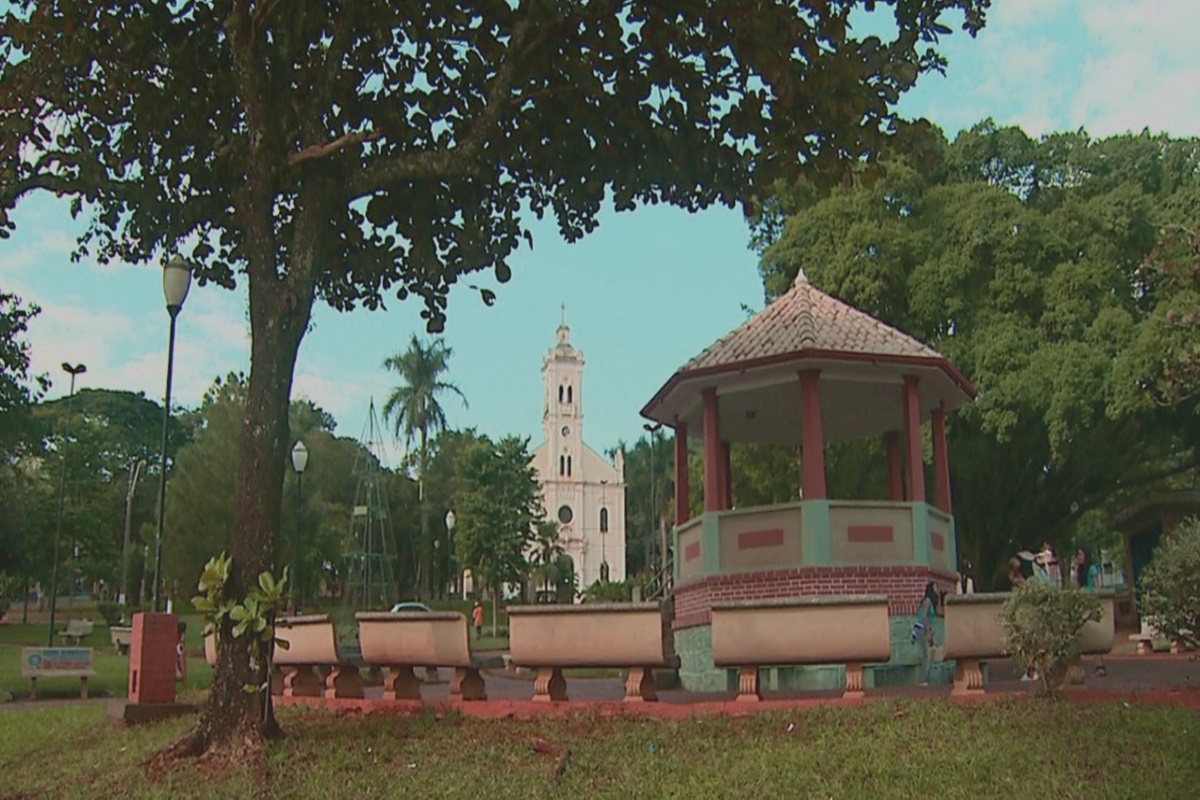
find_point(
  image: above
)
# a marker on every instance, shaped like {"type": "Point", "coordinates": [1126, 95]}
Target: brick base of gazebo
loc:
{"type": "Point", "coordinates": [903, 585]}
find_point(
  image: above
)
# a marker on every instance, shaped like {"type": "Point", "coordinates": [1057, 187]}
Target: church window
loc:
{"type": "Point", "coordinates": [560, 394]}
{"type": "Point", "coordinates": [604, 520]}
{"type": "Point", "coordinates": [565, 515]}
{"type": "Point", "coordinates": [568, 395]}
{"type": "Point", "coordinates": [562, 465]}
{"type": "Point", "coordinates": [568, 466]}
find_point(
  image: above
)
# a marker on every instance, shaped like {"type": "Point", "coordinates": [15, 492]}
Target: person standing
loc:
{"type": "Point", "coordinates": [477, 619]}
{"type": "Point", "coordinates": [927, 610]}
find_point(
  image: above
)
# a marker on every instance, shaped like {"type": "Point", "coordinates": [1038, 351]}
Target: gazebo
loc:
{"type": "Point", "coordinates": [806, 371]}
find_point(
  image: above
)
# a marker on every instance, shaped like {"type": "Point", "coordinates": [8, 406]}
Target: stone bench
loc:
{"type": "Point", "coordinates": [403, 640]}
{"type": "Point", "coordinates": [551, 638]}
{"type": "Point", "coordinates": [312, 643]}
{"type": "Point", "coordinates": [821, 629]}
{"type": "Point", "coordinates": [974, 634]}
{"type": "Point", "coordinates": [57, 662]}
{"type": "Point", "coordinates": [77, 630]}
{"type": "Point", "coordinates": [122, 638]}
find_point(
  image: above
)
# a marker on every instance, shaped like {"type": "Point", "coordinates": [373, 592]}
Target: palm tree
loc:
{"type": "Point", "coordinates": [414, 411]}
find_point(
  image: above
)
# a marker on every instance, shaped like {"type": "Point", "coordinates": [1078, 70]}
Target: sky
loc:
{"type": "Point", "coordinates": [644, 293]}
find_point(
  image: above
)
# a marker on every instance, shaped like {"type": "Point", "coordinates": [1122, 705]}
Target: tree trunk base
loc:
{"type": "Point", "coordinates": [218, 746]}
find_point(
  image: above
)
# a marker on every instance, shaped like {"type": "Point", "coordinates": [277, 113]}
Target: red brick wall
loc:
{"type": "Point", "coordinates": [904, 587]}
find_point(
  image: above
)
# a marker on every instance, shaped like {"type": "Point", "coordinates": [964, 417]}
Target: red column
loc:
{"type": "Point", "coordinates": [812, 436]}
{"type": "Point", "coordinates": [712, 451]}
{"type": "Point", "coordinates": [895, 466]}
{"type": "Point", "coordinates": [682, 498]}
{"type": "Point", "coordinates": [941, 459]}
{"type": "Point", "coordinates": [912, 430]}
{"type": "Point", "coordinates": [726, 478]}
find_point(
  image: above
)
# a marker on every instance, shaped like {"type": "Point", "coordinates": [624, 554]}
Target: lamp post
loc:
{"type": "Point", "coordinates": [77, 369]}
{"type": "Point", "coordinates": [177, 278]}
{"type": "Point", "coordinates": [653, 430]}
{"type": "Point", "coordinates": [604, 531]}
{"type": "Point", "coordinates": [450, 520]}
{"type": "Point", "coordinates": [299, 462]}
{"type": "Point", "coordinates": [138, 466]}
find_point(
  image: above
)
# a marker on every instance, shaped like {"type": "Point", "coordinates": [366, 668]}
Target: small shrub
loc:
{"type": "Point", "coordinates": [111, 613]}
{"type": "Point", "coordinates": [1171, 584]}
{"type": "Point", "coordinates": [609, 592]}
{"type": "Point", "coordinates": [1041, 628]}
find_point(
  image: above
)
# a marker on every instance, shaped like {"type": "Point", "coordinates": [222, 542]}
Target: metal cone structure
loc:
{"type": "Point", "coordinates": [369, 569]}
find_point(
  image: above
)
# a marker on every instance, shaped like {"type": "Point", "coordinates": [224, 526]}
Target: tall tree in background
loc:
{"type": "Point", "coordinates": [498, 503]}
{"type": "Point", "coordinates": [1028, 264]}
{"type": "Point", "coordinates": [415, 412]}
{"type": "Point", "coordinates": [356, 151]}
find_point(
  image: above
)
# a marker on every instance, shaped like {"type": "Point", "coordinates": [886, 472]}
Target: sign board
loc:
{"type": "Point", "coordinates": [49, 662]}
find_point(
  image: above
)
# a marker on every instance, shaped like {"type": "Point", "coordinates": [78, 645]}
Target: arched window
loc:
{"type": "Point", "coordinates": [560, 394]}
{"type": "Point", "coordinates": [562, 465]}
{"type": "Point", "coordinates": [568, 395]}
{"type": "Point", "coordinates": [568, 466]}
{"type": "Point", "coordinates": [604, 520]}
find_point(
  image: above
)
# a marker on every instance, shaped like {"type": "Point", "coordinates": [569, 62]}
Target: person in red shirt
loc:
{"type": "Point", "coordinates": [477, 618]}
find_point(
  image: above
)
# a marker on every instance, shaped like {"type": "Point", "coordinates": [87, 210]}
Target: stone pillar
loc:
{"type": "Point", "coordinates": [941, 460]}
{"type": "Point", "coordinates": [682, 496]}
{"type": "Point", "coordinates": [726, 478]}
{"type": "Point", "coordinates": [912, 431]}
{"type": "Point", "coordinates": [812, 436]}
{"type": "Point", "coordinates": [895, 466]}
{"type": "Point", "coordinates": [713, 490]}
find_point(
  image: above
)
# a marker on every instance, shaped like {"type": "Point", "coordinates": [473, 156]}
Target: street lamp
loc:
{"type": "Point", "coordinates": [77, 369]}
{"type": "Point", "coordinates": [604, 531]}
{"type": "Point", "coordinates": [138, 466]}
{"type": "Point", "coordinates": [299, 462]}
{"type": "Point", "coordinates": [450, 520]}
{"type": "Point", "coordinates": [653, 430]}
{"type": "Point", "coordinates": [177, 278]}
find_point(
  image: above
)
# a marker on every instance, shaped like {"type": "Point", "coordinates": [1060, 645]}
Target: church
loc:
{"type": "Point", "coordinates": [581, 490]}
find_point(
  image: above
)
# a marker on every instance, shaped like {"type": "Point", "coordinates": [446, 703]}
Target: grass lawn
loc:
{"type": "Point", "coordinates": [1016, 747]}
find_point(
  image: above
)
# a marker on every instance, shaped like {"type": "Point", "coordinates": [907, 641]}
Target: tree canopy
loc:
{"type": "Point", "coordinates": [1027, 263]}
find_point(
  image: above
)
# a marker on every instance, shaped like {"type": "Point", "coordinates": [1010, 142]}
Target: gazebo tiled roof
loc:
{"type": "Point", "coordinates": [807, 319]}
{"type": "Point", "coordinates": [806, 329]}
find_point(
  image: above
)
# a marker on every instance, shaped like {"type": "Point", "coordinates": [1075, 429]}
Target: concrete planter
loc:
{"type": "Point", "coordinates": [405, 640]}
{"type": "Point", "coordinates": [823, 629]}
{"type": "Point", "coordinates": [973, 633]}
{"type": "Point", "coordinates": [629, 636]}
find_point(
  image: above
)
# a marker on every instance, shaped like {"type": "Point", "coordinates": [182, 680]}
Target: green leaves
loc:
{"type": "Point", "coordinates": [1041, 625]}
{"type": "Point", "coordinates": [1171, 584]}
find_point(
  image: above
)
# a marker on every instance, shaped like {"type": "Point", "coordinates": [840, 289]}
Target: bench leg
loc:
{"type": "Point", "coordinates": [431, 675]}
{"type": "Point", "coordinates": [854, 681]}
{"type": "Point", "coordinates": [968, 677]}
{"type": "Point", "coordinates": [468, 684]}
{"type": "Point", "coordinates": [301, 681]}
{"type": "Point", "coordinates": [639, 685]}
{"type": "Point", "coordinates": [748, 685]}
{"type": "Point", "coordinates": [1076, 675]}
{"type": "Point", "coordinates": [550, 685]}
{"type": "Point", "coordinates": [1178, 647]}
{"type": "Point", "coordinates": [401, 684]}
{"type": "Point", "coordinates": [343, 681]}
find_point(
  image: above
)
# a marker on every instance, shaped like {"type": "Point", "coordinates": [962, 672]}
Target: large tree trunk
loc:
{"type": "Point", "coordinates": [234, 719]}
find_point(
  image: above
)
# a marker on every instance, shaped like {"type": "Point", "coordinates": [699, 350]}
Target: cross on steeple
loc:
{"type": "Point", "coordinates": [563, 307]}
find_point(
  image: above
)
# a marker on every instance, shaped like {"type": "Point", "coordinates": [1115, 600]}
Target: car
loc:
{"type": "Point", "coordinates": [411, 608]}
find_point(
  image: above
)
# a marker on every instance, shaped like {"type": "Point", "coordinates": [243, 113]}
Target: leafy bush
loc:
{"type": "Point", "coordinates": [609, 592]}
{"type": "Point", "coordinates": [111, 613]}
{"type": "Point", "coordinates": [1041, 628]}
{"type": "Point", "coordinates": [1171, 584]}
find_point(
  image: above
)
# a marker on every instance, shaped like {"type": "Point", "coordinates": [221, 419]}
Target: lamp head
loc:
{"type": "Point", "coordinates": [450, 520]}
{"type": "Point", "coordinates": [299, 456]}
{"type": "Point", "coordinates": [177, 279]}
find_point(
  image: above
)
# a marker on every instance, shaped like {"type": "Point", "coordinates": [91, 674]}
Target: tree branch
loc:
{"type": "Point", "coordinates": [316, 151]}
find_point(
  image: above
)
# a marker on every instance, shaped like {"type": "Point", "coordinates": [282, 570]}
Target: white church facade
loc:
{"type": "Point", "coordinates": [581, 490]}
